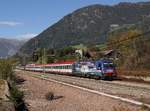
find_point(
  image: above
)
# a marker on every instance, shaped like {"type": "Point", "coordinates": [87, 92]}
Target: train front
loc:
{"type": "Point", "coordinates": [107, 69]}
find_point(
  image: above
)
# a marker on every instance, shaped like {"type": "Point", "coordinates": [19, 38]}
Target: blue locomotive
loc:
{"type": "Point", "coordinates": [104, 69]}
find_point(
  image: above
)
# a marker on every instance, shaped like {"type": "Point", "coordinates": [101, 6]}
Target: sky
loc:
{"type": "Point", "coordinates": [27, 18]}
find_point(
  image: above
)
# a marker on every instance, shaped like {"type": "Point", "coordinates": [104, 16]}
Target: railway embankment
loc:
{"type": "Point", "coordinates": [5, 103]}
{"type": "Point", "coordinates": [11, 98]}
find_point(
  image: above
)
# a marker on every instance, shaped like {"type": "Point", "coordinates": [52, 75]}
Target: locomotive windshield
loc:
{"type": "Point", "coordinates": [90, 67]}
{"type": "Point", "coordinates": [108, 65]}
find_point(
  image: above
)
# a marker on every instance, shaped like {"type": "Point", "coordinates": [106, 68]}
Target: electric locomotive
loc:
{"type": "Point", "coordinates": [104, 69]}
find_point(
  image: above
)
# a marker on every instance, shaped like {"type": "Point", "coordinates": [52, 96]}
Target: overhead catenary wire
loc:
{"type": "Point", "coordinates": [109, 44]}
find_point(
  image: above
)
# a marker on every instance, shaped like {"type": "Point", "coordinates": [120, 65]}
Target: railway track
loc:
{"type": "Point", "coordinates": [129, 92]}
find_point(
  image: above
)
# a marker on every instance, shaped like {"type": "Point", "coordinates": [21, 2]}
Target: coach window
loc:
{"type": "Point", "coordinates": [65, 67]}
{"type": "Point", "coordinates": [61, 67]}
{"type": "Point", "coordinates": [68, 66]}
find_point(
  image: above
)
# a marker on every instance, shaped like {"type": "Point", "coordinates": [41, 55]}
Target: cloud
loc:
{"type": "Point", "coordinates": [10, 23]}
{"type": "Point", "coordinates": [26, 36]}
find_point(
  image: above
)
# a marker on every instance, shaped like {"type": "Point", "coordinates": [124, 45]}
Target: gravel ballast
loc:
{"type": "Point", "coordinates": [66, 98]}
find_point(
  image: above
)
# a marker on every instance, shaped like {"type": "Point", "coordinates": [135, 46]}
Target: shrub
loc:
{"type": "Point", "coordinates": [16, 96]}
{"type": "Point", "coordinates": [49, 96]}
{"type": "Point", "coordinates": [6, 71]}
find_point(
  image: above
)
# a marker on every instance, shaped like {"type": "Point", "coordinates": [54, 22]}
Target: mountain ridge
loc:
{"type": "Point", "coordinates": [88, 25]}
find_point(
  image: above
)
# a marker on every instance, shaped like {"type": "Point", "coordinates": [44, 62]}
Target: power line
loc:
{"type": "Point", "coordinates": [132, 37]}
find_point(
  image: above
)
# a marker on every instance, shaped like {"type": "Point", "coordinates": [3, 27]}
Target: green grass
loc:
{"type": "Point", "coordinates": [44, 76]}
{"type": "Point", "coordinates": [80, 46]}
{"type": "Point", "coordinates": [101, 46]}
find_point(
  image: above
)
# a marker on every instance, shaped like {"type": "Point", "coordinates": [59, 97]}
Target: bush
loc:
{"type": "Point", "coordinates": [6, 71]}
{"type": "Point", "coordinates": [49, 96]}
{"type": "Point", "coordinates": [16, 97]}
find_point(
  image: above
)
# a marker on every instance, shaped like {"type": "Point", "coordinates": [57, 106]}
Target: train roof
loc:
{"type": "Point", "coordinates": [105, 61]}
{"type": "Point", "coordinates": [60, 63]}
{"type": "Point", "coordinates": [52, 64]}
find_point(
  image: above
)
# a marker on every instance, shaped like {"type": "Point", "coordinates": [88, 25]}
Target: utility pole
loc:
{"type": "Point", "coordinates": [44, 60]}
{"type": "Point", "coordinates": [24, 62]}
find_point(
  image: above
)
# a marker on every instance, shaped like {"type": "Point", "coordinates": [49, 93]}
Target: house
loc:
{"type": "Point", "coordinates": [112, 54]}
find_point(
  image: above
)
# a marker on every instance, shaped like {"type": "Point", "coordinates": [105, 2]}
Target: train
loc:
{"type": "Point", "coordinates": [100, 69]}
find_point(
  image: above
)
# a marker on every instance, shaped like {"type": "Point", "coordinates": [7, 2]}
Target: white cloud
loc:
{"type": "Point", "coordinates": [10, 23]}
{"type": "Point", "coordinates": [26, 36]}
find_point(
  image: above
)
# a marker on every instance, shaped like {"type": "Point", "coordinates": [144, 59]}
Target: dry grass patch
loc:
{"type": "Point", "coordinates": [145, 108]}
{"type": "Point", "coordinates": [144, 73]}
{"type": "Point", "coordinates": [2, 82]}
{"type": "Point", "coordinates": [2, 88]}
{"type": "Point", "coordinates": [121, 108]}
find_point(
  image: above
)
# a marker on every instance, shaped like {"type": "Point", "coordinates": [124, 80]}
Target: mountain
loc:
{"type": "Point", "coordinates": [132, 42]}
{"type": "Point", "coordinates": [9, 47]}
{"type": "Point", "coordinates": [88, 25]}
